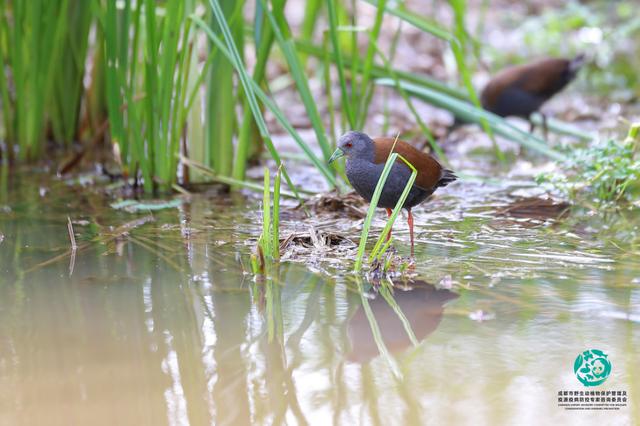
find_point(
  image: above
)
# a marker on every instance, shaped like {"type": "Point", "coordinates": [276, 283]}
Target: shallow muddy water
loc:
{"type": "Point", "coordinates": [154, 318]}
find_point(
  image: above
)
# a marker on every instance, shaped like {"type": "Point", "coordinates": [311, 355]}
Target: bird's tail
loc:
{"type": "Point", "coordinates": [447, 177]}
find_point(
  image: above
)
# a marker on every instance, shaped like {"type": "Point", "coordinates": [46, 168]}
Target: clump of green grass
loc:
{"type": "Point", "coordinates": [147, 91]}
{"type": "Point", "coordinates": [222, 94]}
{"type": "Point", "coordinates": [42, 50]}
{"type": "Point", "coordinates": [268, 247]}
{"type": "Point", "coordinates": [604, 174]}
{"type": "Point", "coordinates": [69, 66]}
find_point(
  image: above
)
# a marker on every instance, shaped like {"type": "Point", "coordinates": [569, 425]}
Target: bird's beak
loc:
{"type": "Point", "coordinates": [336, 154]}
{"type": "Point", "coordinates": [577, 62]}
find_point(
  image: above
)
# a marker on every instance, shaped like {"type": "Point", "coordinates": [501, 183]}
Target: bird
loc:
{"type": "Point", "coordinates": [365, 160]}
{"type": "Point", "coordinates": [520, 90]}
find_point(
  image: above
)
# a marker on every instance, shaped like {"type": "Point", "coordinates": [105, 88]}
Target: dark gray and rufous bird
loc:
{"type": "Point", "coordinates": [521, 90]}
{"type": "Point", "coordinates": [366, 158]}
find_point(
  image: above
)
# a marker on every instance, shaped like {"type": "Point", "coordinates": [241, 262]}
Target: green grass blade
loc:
{"type": "Point", "coordinates": [221, 97]}
{"type": "Point", "coordinates": [396, 210]}
{"type": "Point", "coordinates": [266, 237]}
{"type": "Point", "coordinates": [284, 122]}
{"type": "Point", "coordinates": [275, 227]}
{"type": "Point", "coordinates": [423, 126]}
{"type": "Point", "coordinates": [320, 165]}
{"type": "Point", "coordinates": [287, 46]}
{"type": "Point", "coordinates": [417, 21]}
{"type": "Point", "coordinates": [460, 11]}
{"type": "Point", "coordinates": [370, 213]}
{"type": "Point", "coordinates": [333, 33]}
{"type": "Point", "coordinates": [69, 69]}
{"type": "Point", "coordinates": [264, 41]}
{"type": "Point", "coordinates": [381, 71]}
{"type": "Point", "coordinates": [233, 182]}
{"type": "Point", "coordinates": [368, 64]}
{"type": "Point", "coordinates": [246, 80]}
{"type": "Point", "coordinates": [311, 12]}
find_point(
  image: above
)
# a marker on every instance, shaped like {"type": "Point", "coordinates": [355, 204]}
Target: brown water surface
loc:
{"type": "Point", "coordinates": [154, 319]}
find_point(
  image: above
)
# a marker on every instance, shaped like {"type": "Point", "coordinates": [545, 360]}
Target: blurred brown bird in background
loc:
{"type": "Point", "coordinates": [520, 90]}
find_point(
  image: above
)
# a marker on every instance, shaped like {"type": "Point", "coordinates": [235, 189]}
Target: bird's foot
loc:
{"type": "Point", "coordinates": [410, 263]}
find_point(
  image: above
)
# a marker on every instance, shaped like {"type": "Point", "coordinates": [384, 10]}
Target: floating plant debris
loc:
{"type": "Point", "coordinates": [316, 239]}
{"type": "Point", "coordinates": [352, 204]}
{"type": "Point", "coordinates": [134, 206]}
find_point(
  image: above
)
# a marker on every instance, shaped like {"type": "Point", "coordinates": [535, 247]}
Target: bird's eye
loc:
{"type": "Point", "coordinates": [348, 144]}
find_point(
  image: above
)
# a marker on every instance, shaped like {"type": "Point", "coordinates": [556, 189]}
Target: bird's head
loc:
{"type": "Point", "coordinates": [575, 64]}
{"type": "Point", "coordinates": [354, 144]}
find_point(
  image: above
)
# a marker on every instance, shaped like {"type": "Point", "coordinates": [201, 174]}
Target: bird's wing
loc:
{"type": "Point", "coordinates": [429, 169]}
{"type": "Point", "coordinates": [545, 77]}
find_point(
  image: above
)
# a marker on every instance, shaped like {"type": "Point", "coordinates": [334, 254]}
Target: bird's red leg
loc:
{"type": "Point", "coordinates": [410, 222]}
{"type": "Point", "coordinates": [389, 212]}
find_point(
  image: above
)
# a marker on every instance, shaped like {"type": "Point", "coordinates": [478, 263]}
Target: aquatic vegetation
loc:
{"type": "Point", "coordinates": [148, 96]}
{"type": "Point", "coordinates": [161, 105]}
{"type": "Point", "coordinates": [42, 56]}
{"type": "Point", "coordinates": [268, 245]}
{"type": "Point", "coordinates": [605, 173]}
{"type": "Point", "coordinates": [252, 92]}
{"type": "Point", "coordinates": [144, 206]}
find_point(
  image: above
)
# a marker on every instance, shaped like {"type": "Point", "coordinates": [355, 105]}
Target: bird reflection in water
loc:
{"type": "Point", "coordinates": [420, 302]}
